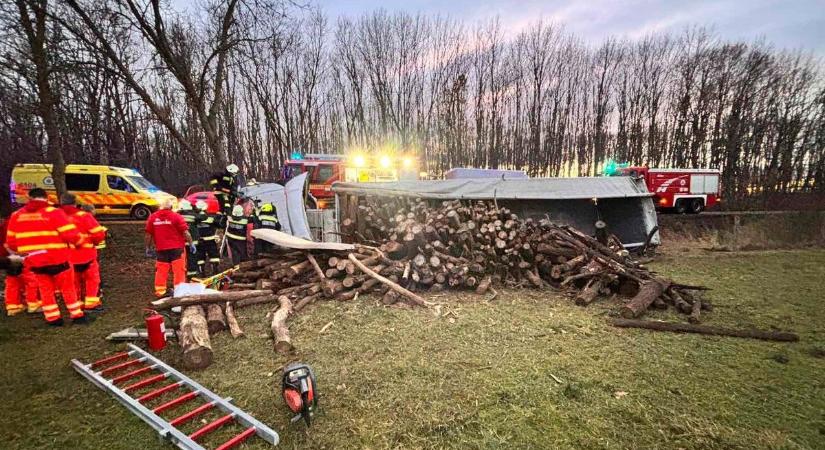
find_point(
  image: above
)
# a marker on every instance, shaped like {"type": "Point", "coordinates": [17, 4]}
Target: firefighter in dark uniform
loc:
{"type": "Point", "coordinates": [225, 187]}
{"type": "Point", "coordinates": [207, 239]}
{"type": "Point", "coordinates": [265, 219]}
{"type": "Point", "coordinates": [191, 217]}
{"type": "Point", "coordinates": [236, 235]}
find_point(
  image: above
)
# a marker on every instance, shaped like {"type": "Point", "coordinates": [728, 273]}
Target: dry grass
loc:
{"type": "Point", "coordinates": [529, 370]}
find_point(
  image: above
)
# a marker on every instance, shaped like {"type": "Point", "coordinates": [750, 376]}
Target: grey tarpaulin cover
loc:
{"type": "Point", "coordinates": [623, 202]}
{"type": "Point", "coordinates": [510, 189]}
{"type": "Point", "coordinates": [288, 201]}
{"type": "Point", "coordinates": [289, 241]}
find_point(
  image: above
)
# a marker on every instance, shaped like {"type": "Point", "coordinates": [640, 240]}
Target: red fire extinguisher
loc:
{"type": "Point", "coordinates": [156, 330]}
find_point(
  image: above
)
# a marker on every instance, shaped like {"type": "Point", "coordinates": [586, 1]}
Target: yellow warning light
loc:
{"type": "Point", "coordinates": [359, 161]}
{"type": "Point", "coordinates": [385, 162]}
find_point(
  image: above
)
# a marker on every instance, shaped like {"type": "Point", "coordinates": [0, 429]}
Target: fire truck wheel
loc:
{"type": "Point", "coordinates": [697, 205]}
{"type": "Point", "coordinates": [681, 206]}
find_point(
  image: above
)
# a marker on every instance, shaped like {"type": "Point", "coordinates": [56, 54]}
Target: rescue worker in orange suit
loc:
{"type": "Point", "coordinates": [44, 235]}
{"type": "Point", "coordinates": [167, 238]}
{"type": "Point", "coordinates": [19, 277]}
{"type": "Point", "coordinates": [84, 256]}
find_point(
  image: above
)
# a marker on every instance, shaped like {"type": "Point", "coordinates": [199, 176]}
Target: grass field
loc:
{"type": "Point", "coordinates": [528, 370]}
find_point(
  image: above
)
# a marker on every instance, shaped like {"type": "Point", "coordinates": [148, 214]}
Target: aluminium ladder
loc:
{"type": "Point", "coordinates": [143, 363]}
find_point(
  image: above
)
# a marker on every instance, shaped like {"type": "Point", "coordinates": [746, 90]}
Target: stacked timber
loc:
{"type": "Point", "coordinates": [408, 246]}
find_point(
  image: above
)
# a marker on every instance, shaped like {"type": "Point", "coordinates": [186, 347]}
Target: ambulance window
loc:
{"type": "Point", "coordinates": [118, 183]}
{"type": "Point", "coordinates": [83, 182]}
{"type": "Point", "coordinates": [323, 173]}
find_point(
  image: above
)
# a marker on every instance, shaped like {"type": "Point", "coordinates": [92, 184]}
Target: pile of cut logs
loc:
{"type": "Point", "coordinates": [407, 246]}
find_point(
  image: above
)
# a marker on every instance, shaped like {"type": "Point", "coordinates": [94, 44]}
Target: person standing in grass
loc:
{"type": "Point", "coordinates": [167, 236]}
{"type": "Point", "coordinates": [84, 256]}
{"type": "Point", "coordinates": [45, 236]}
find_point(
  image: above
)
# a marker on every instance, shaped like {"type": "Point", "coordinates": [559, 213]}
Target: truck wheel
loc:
{"type": "Point", "coordinates": [141, 212]}
{"type": "Point", "coordinates": [680, 207]}
{"type": "Point", "coordinates": [697, 205]}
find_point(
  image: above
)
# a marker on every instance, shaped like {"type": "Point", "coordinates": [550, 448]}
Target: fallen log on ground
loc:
{"type": "Point", "coordinates": [194, 338]}
{"type": "Point", "coordinates": [648, 293]}
{"type": "Point", "coordinates": [215, 319]}
{"type": "Point", "coordinates": [232, 321]}
{"type": "Point", "coordinates": [780, 336]}
{"type": "Point", "coordinates": [280, 332]}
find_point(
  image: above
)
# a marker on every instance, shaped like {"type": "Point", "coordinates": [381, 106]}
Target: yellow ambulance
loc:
{"type": "Point", "coordinates": [112, 190]}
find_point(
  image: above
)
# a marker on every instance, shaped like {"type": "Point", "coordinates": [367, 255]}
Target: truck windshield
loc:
{"type": "Point", "coordinates": [142, 184]}
{"type": "Point", "coordinates": [291, 171]}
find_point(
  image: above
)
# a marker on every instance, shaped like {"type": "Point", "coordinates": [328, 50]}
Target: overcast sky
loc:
{"type": "Point", "coordinates": [789, 24]}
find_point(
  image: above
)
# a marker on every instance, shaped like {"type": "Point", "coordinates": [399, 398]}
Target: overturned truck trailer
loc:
{"type": "Point", "coordinates": [622, 202]}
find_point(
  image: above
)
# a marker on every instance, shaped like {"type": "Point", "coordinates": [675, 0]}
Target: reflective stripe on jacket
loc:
{"type": "Point", "coordinates": [91, 232]}
{"type": "Point", "coordinates": [43, 233]}
{"type": "Point", "coordinates": [236, 228]}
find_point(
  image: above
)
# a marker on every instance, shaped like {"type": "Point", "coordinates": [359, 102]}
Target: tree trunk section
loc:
{"type": "Point", "coordinates": [280, 332]}
{"type": "Point", "coordinates": [194, 338]}
{"type": "Point", "coordinates": [648, 292]}
{"type": "Point", "coordinates": [232, 321]}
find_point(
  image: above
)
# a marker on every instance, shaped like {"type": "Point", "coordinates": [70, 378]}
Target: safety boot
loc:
{"type": "Point", "coordinates": [34, 308]}
{"type": "Point", "coordinates": [55, 323]}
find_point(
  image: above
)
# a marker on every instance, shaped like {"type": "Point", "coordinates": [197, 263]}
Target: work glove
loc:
{"type": "Point", "coordinates": [193, 249]}
{"type": "Point", "coordinates": [16, 260]}
{"type": "Point", "coordinates": [150, 253]}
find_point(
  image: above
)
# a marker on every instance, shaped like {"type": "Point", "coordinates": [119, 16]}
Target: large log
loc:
{"type": "Point", "coordinates": [194, 338]}
{"type": "Point", "coordinates": [648, 292]}
{"type": "Point", "coordinates": [280, 332]}
{"type": "Point", "coordinates": [780, 336]}
{"type": "Point", "coordinates": [215, 319]}
{"type": "Point", "coordinates": [232, 321]}
{"type": "Point", "coordinates": [219, 297]}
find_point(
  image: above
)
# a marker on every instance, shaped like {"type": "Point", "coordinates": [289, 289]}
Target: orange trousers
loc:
{"type": "Point", "coordinates": [178, 267]}
{"type": "Point", "coordinates": [25, 282]}
{"type": "Point", "coordinates": [63, 281]}
{"type": "Point", "coordinates": [87, 283]}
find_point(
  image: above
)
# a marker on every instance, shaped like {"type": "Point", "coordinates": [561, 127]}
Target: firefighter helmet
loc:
{"type": "Point", "coordinates": [201, 205]}
{"type": "Point", "coordinates": [237, 210]}
{"type": "Point", "coordinates": [184, 205]}
{"type": "Point", "coordinates": [267, 208]}
{"type": "Point", "coordinates": [232, 168]}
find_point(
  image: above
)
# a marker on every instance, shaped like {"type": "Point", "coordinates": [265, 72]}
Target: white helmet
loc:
{"type": "Point", "coordinates": [201, 205]}
{"type": "Point", "coordinates": [184, 205]}
{"type": "Point", "coordinates": [232, 168]}
{"type": "Point", "coordinates": [237, 210]}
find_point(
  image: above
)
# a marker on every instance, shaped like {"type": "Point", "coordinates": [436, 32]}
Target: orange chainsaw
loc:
{"type": "Point", "coordinates": [298, 388]}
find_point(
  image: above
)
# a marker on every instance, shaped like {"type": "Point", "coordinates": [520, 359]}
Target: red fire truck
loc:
{"type": "Point", "coordinates": [326, 169]}
{"type": "Point", "coordinates": [680, 190]}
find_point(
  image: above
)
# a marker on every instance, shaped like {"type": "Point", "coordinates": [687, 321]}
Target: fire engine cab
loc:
{"type": "Point", "coordinates": [680, 190]}
{"type": "Point", "coordinates": [324, 169]}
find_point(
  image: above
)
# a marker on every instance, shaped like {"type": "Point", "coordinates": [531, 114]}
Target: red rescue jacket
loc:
{"type": "Point", "coordinates": [167, 229]}
{"type": "Point", "coordinates": [90, 231]}
{"type": "Point", "coordinates": [43, 233]}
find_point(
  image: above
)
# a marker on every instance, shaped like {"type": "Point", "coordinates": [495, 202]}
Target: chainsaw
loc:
{"type": "Point", "coordinates": [298, 388]}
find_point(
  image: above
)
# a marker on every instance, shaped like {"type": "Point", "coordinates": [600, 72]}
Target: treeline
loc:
{"type": "Point", "coordinates": [177, 94]}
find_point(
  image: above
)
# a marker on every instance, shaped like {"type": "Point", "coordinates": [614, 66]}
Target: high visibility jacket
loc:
{"type": "Point", "coordinates": [223, 182]}
{"type": "Point", "coordinates": [266, 222]}
{"type": "Point", "coordinates": [207, 226]}
{"type": "Point", "coordinates": [236, 227]}
{"type": "Point", "coordinates": [43, 233]}
{"type": "Point", "coordinates": [192, 218]}
{"type": "Point", "coordinates": [90, 230]}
